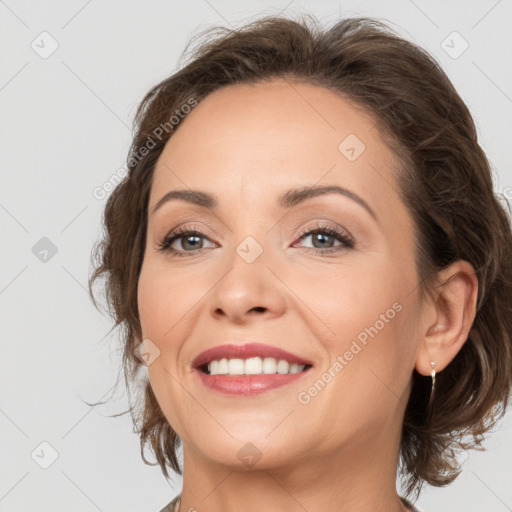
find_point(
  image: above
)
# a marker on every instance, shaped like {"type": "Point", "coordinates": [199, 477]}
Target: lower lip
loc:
{"type": "Point", "coordinates": [248, 384]}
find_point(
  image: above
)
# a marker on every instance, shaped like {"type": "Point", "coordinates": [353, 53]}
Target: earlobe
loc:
{"type": "Point", "coordinates": [448, 317]}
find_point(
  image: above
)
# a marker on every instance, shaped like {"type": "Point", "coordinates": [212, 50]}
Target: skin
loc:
{"type": "Point", "coordinates": [247, 144]}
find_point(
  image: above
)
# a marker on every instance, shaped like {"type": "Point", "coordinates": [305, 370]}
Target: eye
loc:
{"type": "Point", "coordinates": [188, 237]}
{"type": "Point", "coordinates": [323, 238]}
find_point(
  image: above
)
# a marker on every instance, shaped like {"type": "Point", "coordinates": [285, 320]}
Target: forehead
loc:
{"type": "Point", "coordinates": [250, 142]}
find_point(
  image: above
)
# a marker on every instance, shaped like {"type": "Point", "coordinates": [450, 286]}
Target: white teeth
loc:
{"type": "Point", "coordinates": [253, 366]}
{"type": "Point", "coordinates": [296, 368]}
{"type": "Point", "coordinates": [236, 366]}
{"type": "Point", "coordinates": [269, 365]}
{"type": "Point", "coordinates": [223, 366]}
{"type": "Point", "coordinates": [283, 366]}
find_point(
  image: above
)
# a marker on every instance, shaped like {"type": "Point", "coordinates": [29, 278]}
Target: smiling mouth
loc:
{"type": "Point", "coordinates": [256, 366]}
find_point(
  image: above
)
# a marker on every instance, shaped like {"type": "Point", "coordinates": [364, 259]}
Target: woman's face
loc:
{"type": "Point", "coordinates": [254, 275]}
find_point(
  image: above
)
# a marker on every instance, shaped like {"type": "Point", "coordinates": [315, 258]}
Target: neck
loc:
{"type": "Point", "coordinates": [355, 477]}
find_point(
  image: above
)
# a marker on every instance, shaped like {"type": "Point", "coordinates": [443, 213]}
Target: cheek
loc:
{"type": "Point", "coordinates": [348, 298]}
{"type": "Point", "coordinates": [163, 306]}
{"type": "Point", "coordinates": [359, 313]}
{"type": "Point", "coordinates": [163, 302]}
{"type": "Point", "coordinates": [150, 295]}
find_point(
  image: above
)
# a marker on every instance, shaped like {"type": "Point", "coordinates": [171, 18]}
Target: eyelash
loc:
{"type": "Point", "coordinates": [342, 236]}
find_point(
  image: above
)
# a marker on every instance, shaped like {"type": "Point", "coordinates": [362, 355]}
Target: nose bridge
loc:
{"type": "Point", "coordinates": [247, 284]}
{"type": "Point", "coordinates": [254, 242]}
{"type": "Point", "coordinates": [250, 238]}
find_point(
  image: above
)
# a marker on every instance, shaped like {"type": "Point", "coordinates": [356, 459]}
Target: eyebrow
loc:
{"type": "Point", "coordinates": [289, 199]}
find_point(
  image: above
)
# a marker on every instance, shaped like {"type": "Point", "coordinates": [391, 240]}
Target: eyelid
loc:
{"type": "Point", "coordinates": [320, 222]}
{"type": "Point", "coordinates": [194, 224]}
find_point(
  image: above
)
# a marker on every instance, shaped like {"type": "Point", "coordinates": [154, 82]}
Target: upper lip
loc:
{"type": "Point", "coordinates": [231, 351]}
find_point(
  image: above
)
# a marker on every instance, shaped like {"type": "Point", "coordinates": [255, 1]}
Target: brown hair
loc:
{"type": "Point", "coordinates": [445, 181]}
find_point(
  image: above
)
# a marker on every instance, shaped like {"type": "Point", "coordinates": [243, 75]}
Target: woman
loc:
{"type": "Point", "coordinates": [308, 257]}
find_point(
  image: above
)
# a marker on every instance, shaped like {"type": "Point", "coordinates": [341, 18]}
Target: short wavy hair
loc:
{"type": "Point", "coordinates": [444, 178]}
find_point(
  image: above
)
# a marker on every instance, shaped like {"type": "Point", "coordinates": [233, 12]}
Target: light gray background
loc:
{"type": "Point", "coordinates": [65, 129]}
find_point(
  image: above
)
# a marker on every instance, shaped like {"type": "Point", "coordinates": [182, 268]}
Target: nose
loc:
{"type": "Point", "coordinates": [248, 292]}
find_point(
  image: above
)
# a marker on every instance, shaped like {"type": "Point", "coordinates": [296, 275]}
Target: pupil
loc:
{"type": "Point", "coordinates": [319, 236]}
{"type": "Point", "coordinates": [187, 238]}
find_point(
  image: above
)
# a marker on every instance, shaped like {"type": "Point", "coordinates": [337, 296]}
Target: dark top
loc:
{"type": "Point", "coordinates": [171, 506]}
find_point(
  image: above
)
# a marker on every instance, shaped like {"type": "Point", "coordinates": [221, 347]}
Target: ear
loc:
{"type": "Point", "coordinates": [448, 317]}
